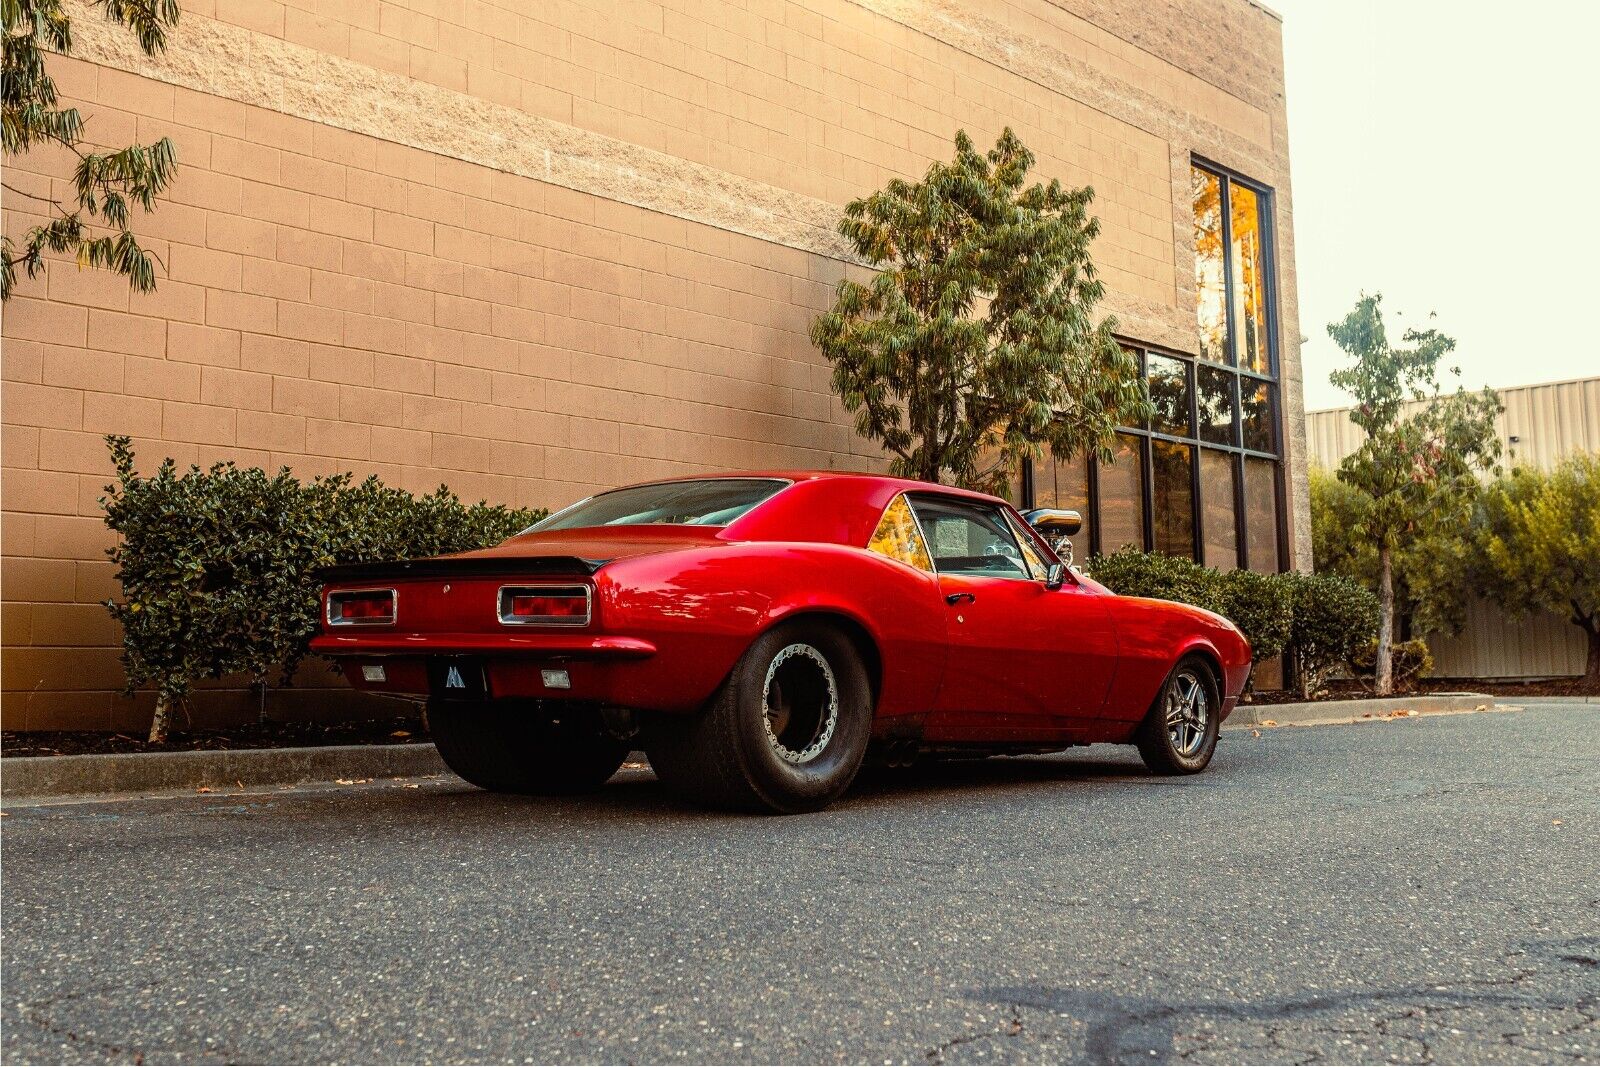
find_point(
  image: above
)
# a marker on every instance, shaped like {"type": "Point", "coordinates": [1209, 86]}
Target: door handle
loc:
{"type": "Point", "coordinates": [956, 598]}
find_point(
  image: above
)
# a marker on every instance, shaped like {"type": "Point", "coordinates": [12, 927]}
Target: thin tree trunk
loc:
{"type": "Point", "coordinates": [1591, 673]}
{"type": "Point", "coordinates": [163, 716]}
{"type": "Point", "coordinates": [1383, 668]}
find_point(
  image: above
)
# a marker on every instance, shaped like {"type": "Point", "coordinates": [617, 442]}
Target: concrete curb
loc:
{"type": "Point", "coordinates": [34, 777]}
{"type": "Point", "coordinates": [1348, 711]}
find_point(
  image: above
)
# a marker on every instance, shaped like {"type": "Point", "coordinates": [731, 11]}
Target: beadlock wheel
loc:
{"type": "Point", "coordinates": [802, 703]}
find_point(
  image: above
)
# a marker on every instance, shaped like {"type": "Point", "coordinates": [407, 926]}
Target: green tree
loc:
{"type": "Point", "coordinates": [975, 344]}
{"type": "Point", "coordinates": [1421, 453]}
{"type": "Point", "coordinates": [1538, 547]}
{"type": "Point", "coordinates": [92, 223]}
{"type": "Point", "coordinates": [1431, 564]}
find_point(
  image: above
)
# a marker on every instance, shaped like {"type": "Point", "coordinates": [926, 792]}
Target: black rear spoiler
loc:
{"type": "Point", "coordinates": [459, 566]}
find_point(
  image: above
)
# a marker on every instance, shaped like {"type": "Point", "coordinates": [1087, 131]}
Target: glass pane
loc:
{"type": "Point", "coordinates": [1261, 513]}
{"type": "Point", "coordinates": [1255, 399]}
{"type": "Point", "coordinates": [1169, 395]}
{"type": "Point", "coordinates": [1249, 279]}
{"type": "Point", "coordinates": [1220, 521]}
{"type": "Point", "coordinates": [1209, 279]}
{"type": "Point", "coordinates": [1122, 497]}
{"type": "Point", "coordinates": [1058, 484]}
{"type": "Point", "coordinates": [709, 502]}
{"type": "Point", "coordinates": [897, 536]}
{"type": "Point", "coordinates": [1172, 484]}
{"type": "Point", "coordinates": [969, 539]}
{"type": "Point", "coordinates": [1215, 405]}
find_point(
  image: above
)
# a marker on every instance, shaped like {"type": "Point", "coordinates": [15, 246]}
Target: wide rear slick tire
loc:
{"type": "Point", "coordinates": [784, 734]}
{"type": "Point", "coordinates": [1179, 733]}
{"type": "Point", "coordinates": [509, 746]}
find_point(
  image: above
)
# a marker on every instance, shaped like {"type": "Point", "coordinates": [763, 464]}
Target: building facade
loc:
{"type": "Point", "coordinates": [1541, 426]}
{"type": "Point", "coordinates": [532, 250]}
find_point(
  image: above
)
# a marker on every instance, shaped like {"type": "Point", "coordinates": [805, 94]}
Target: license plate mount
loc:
{"type": "Point", "coordinates": [458, 678]}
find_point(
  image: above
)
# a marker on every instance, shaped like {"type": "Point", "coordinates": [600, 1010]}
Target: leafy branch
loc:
{"type": "Point", "coordinates": [106, 185]}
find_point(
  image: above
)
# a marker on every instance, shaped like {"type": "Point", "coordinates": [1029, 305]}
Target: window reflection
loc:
{"type": "Point", "coordinates": [1255, 410]}
{"type": "Point", "coordinates": [1261, 514]}
{"type": "Point", "coordinates": [1169, 395]}
{"type": "Point", "coordinates": [1122, 497]}
{"type": "Point", "coordinates": [1217, 509]}
{"type": "Point", "coordinates": [1249, 279]}
{"type": "Point", "coordinates": [1172, 498]}
{"type": "Point", "coordinates": [1210, 280]}
{"type": "Point", "coordinates": [1215, 401]}
{"type": "Point", "coordinates": [1058, 484]}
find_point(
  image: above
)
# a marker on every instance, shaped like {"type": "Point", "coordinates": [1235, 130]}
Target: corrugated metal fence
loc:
{"type": "Point", "coordinates": [1542, 425]}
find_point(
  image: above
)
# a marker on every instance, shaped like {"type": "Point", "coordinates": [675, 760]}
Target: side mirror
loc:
{"type": "Point", "coordinates": [1056, 576]}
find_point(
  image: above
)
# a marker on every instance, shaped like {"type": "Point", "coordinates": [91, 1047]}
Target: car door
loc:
{"type": "Point", "coordinates": [1025, 662]}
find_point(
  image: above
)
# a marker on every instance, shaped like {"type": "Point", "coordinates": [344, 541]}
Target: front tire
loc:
{"type": "Point", "coordinates": [508, 746]}
{"type": "Point", "coordinates": [1179, 734]}
{"type": "Point", "coordinates": [784, 734]}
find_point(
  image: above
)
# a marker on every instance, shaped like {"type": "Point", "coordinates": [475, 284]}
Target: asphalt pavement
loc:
{"type": "Point", "coordinates": [1424, 890]}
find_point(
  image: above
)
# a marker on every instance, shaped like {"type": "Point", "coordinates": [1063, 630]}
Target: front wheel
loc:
{"type": "Point", "coordinates": [511, 746]}
{"type": "Point", "coordinates": [785, 733]}
{"type": "Point", "coordinates": [1179, 734]}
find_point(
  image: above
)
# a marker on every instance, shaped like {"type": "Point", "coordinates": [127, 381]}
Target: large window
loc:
{"type": "Point", "coordinates": [1201, 479]}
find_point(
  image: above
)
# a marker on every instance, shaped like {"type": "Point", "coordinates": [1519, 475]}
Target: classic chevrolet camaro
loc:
{"type": "Point", "coordinates": [760, 635]}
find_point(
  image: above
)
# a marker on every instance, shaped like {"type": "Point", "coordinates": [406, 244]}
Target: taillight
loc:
{"type": "Point", "coordinates": [361, 607]}
{"type": "Point", "coordinates": [544, 605]}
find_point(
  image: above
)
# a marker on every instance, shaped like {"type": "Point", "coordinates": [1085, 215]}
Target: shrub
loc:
{"type": "Point", "coordinates": [218, 566]}
{"type": "Point", "coordinates": [1334, 618]}
{"type": "Point", "coordinates": [1261, 605]}
{"type": "Point", "coordinates": [1411, 660]}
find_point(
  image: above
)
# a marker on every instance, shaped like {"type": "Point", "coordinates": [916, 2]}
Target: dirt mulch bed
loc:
{"type": "Point", "coordinates": [1347, 689]}
{"type": "Point", "coordinates": [396, 731]}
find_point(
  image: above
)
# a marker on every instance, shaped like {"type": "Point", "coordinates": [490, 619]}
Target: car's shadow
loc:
{"type": "Point", "coordinates": [635, 790]}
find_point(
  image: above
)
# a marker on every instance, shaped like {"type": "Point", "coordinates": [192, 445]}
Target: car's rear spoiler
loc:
{"type": "Point", "coordinates": [459, 566]}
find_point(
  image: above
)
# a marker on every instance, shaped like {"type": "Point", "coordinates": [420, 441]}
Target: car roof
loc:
{"type": "Point", "coordinates": [904, 485]}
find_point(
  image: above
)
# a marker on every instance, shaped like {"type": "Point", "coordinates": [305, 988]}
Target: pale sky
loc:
{"type": "Point", "coordinates": [1447, 155]}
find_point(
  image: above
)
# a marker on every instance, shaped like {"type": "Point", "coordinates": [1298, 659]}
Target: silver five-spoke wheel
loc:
{"type": "Point", "coordinates": [1187, 710]}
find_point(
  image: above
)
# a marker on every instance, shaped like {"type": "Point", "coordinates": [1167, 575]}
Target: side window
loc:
{"type": "Point", "coordinates": [1037, 568]}
{"type": "Point", "coordinates": [970, 539]}
{"type": "Point", "coordinates": [898, 538]}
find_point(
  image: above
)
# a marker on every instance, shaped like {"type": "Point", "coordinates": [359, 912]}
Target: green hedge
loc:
{"type": "Point", "coordinates": [218, 566]}
{"type": "Point", "coordinates": [1319, 621]}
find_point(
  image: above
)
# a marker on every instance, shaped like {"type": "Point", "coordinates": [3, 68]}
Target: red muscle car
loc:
{"type": "Point", "coordinates": [759, 635]}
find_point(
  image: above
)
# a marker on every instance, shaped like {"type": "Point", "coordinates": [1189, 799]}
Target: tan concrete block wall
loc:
{"type": "Point", "coordinates": [530, 252]}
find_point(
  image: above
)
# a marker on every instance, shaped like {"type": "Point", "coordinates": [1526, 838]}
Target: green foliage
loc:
{"type": "Point", "coordinates": [1416, 469]}
{"type": "Point", "coordinates": [1429, 567]}
{"type": "Point", "coordinates": [1538, 546]}
{"type": "Point", "coordinates": [974, 344]}
{"type": "Point", "coordinates": [1261, 605]}
{"type": "Point", "coordinates": [1333, 619]}
{"type": "Point", "coordinates": [1411, 660]}
{"type": "Point", "coordinates": [105, 185]}
{"type": "Point", "coordinates": [218, 566]}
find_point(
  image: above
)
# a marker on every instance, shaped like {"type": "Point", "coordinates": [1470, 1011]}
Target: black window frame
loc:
{"type": "Point", "coordinates": [1242, 377]}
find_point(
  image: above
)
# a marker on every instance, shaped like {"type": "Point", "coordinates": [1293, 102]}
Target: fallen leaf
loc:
{"type": "Point", "coordinates": [239, 782]}
{"type": "Point", "coordinates": [203, 789]}
{"type": "Point", "coordinates": [1555, 822]}
{"type": "Point", "coordinates": [1255, 733]}
{"type": "Point", "coordinates": [401, 733]}
{"type": "Point", "coordinates": [1269, 722]}
{"type": "Point", "coordinates": [344, 781]}
{"type": "Point", "coordinates": [411, 785]}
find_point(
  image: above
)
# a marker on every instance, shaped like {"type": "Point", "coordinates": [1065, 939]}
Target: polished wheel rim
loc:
{"type": "Point", "coordinates": [1187, 712]}
{"type": "Point", "coordinates": [802, 703]}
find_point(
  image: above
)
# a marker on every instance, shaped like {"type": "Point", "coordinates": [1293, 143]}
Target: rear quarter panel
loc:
{"type": "Point", "coordinates": [702, 608]}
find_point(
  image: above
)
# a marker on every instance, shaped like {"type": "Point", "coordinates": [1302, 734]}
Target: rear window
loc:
{"type": "Point", "coordinates": [707, 502]}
